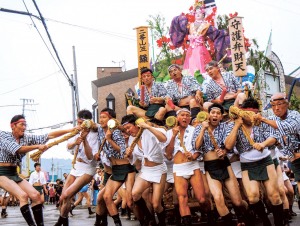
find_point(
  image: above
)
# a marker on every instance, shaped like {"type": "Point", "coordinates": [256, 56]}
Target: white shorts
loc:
{"type": "Point", "coordinates": [186, 169]}
{"type": "Point", "coordinates": [285, 177]}
{"type": "Point", "coordinates": [83, 168]}
{"type": "Point", "coordinates": [236, 168]}
{"type": "Point", "coordinates": [153, 174]}
{"type": "Point", "coordinates": [3, 192]}
{"type": "Point", "coordinates": [201, 165]}
{"type": "Point", "coordinates": [170, 176]}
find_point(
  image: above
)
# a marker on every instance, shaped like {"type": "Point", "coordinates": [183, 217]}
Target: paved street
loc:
{"type": "Point", "coordinates": [51, 214]}
{"type": "Point", "coordinates": [81, 217]}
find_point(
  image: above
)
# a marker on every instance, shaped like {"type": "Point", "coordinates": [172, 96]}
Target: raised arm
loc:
{"type": "Point", "coordinates": [59, 133]}
{"type": "Point", "coordinates": [158, 134]}
{"type": "Point", "coordinates": [231, 137]}
{"type": "Point", "coordinates": [170, 147]}
{"type": "Point", "coordinates": [200, 137]}
{"type": "Point", "coordinates": [268, 142]}
{"type": "Point", "coordinates": [114, 145]}
{"type": "Point", "coordinates": [25, 149]}
{"type": "Point", "coordinates": [270, 122]}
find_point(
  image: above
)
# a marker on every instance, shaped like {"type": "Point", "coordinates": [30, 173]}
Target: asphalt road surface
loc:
{"type": "Point", "coordinates": [81, 217]}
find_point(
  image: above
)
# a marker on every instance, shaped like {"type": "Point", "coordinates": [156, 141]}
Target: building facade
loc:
{"type": "Point", "coordinates": [110, 87]}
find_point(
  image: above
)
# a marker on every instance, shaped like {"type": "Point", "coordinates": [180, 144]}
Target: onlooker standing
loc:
{"type": "Point", "coordinates": [95, 185]}
{"type": "Point", "coordinates": [38, 181]}
{"type": "Point", "coordinates": [83, 193]}
{"type": "Point", "coordinates": [51, 194]}
{"type": "Point", "coordinates": [65, 177]}
{"type": "Point", "coordinates": [56, 187]}
{"type": "Point", "coordinates": [47, 194]}
{"type": "Point", "coordinates": [59, 191]}
{"type": "Point", "coordinates": [4, 198]}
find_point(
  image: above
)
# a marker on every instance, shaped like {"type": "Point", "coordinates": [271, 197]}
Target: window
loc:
{"type": "Point", "coordinates": [128, 97]}
{"type": "Point", "coordinates": [272, 84]}
{"type": "Point", "coordinates": [95, 112]}
{"type": "Point", "coordinates": [110, 101]}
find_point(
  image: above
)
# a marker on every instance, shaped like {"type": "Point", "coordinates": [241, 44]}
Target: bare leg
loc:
{"type": "Point", "coordinates": [181, 187]}
{"type": "Point", "coordinates": [20, 191]}
{"type": "Point", "coordinates": [282, 188]}
{"type": "Point", "coordinates": [73, 185]}
{"type": "Point", "coordinates": [160, 114]}
{"type": "Point", "coordinates": [158, 191]}
{"type": "Point", "coordinates": [87, 198]}
{"type": "Point", "coordinates": [206, 106]}
{"type": "Point", "coordinates": [141, 209]}
{"type": "Point", "coordinates": [33, 194]}
{"type": "Point", "coordinates": [241, 97]}
{"type": "Point", "coordinates": [110, 189]}
{"type": "Point", "coordinates": [14, 190]}
{"type": "Point", "coordinates": [138, 112]}
{"type": "Point", "coordinates": [216, 190]}
{"type": "Point", "coordinates": [101, 207]}
{"type": "Point", "coordinates": [79, 198]}
{"type": "Point", "coordinates": [272, 187]}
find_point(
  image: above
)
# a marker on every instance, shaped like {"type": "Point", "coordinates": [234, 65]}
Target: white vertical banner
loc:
{"type": "Point", "coordinates": [268, 51]}
{"type": "Point", "coordinates": [237, 46]}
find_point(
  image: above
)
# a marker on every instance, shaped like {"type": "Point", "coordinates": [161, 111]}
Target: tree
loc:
{"type": "Point", "coordinates": [258, 60]}
{"type": "Point", "coordinates": [168, 54]}
{"type": "Point", "coordinates": [295, 102]}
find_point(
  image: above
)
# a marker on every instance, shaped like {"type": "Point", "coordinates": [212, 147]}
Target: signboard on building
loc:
{"type": "Point", "coordinates": [237, 46]}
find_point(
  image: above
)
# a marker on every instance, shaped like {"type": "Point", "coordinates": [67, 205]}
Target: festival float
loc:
{"type": "Point", "coordinates": [194, 39]}
{"type": "Point", "coordinates": [199, 35]}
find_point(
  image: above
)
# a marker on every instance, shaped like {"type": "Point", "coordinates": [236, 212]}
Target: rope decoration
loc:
{"type": "Point", "coordinates": [75, 156]}
{"type": "Point", "coordinates": [86, 124]}
{"type": "Point", "coordinates": [112, 124]}
{"type": "Point", "coordinates": [249, 116]}
{"type": "Point", "coordinates": [137, 138]}
{"type": "Point", "coordinates": [182, 144]}
{"type": "Point", "coordinates": [171, 122]}
{"type": "Point", "coordinates": [201, 117]}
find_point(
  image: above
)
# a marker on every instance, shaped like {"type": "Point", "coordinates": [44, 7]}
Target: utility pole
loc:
{"type": "Point", "coordinates": [52, 168]}
{"type": "Point", "coordinates": [153, 54]}
{"type": "Point", "coordinates": [73, 100]}
{"type": "Point", "coordinates": [75, 81]}
{"type": "Point", "coordinates": [58, 168]}
{"type": "Point", "coordinates": [26, 102]}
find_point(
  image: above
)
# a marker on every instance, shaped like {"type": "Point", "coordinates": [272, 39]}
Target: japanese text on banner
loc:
{"type": "Point", "coordinates": [237, 45]}
{"type": "Point", "coordinates": [142, 50]}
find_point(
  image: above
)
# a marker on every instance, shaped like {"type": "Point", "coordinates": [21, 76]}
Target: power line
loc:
{"type": "Point", "coordinates": [19, 12]}
{"type": "Point", "coordinates": [293, 2]}
{"type": "Point", "coordinates": [119, 35]}
{"type": "Point", "coordinates": [109, 33]}
{"type": "Point", "coordinates": [52, 44]}
{"type": "Point", "coordinates": [15, 21]}
{"type": "Point", "coordinates": [60, 65]}
{"type": "Point", "coordinates": [72, 84]}
{"type": "Point", "coordinates": [14, 105]}
{"type": "Point", "coordinates": [275, 6]}
{"type": "Point", "coordinates": [41, 35]}
{"type": "Point", "coordinates": [51, 127]}
{"type": "Point", "coordinates": [28, 84]}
